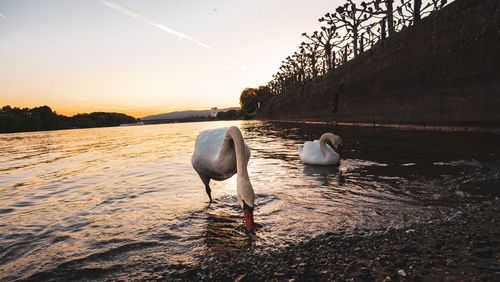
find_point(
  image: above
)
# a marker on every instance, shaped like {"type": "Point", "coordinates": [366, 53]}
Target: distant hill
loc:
{"type": "Point", "coordinates": [186, 114]}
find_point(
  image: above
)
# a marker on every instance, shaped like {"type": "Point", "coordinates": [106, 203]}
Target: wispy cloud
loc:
{"type": "Point", "coordinates": [148, 21]}
{"type": "Point", "coordinates": [4, 17]}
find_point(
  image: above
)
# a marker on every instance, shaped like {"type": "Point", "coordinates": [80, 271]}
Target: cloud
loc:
{"type": "Point", "coordinates": [1, 15]}
{"type": "Point", "coordinates": [245, 67]}
{"type": "Point", "coordinates": [148, 21]}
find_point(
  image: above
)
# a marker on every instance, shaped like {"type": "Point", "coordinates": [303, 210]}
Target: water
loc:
{"type": "Point", "coordinates": [125, 202]}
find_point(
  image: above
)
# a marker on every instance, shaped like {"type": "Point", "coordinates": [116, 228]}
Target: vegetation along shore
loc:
{"type": "Point", "coordinates": [43, 118]}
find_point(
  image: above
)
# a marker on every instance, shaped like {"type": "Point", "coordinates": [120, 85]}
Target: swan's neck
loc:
{"type": "Point", "coordinates": [234, 134]}
{"type": "Point", "coordinates": [322, 144]}
{"type": "Point", "coordinates": [244, 188]}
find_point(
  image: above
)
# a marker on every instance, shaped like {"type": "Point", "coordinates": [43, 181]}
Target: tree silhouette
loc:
{"type": "Point", "coordinates": [248, 101]}
{"type": "Point", "coordinates": [350, 17]}
{"type": "Point", "coordinates": [43, 118]}
{"type": "Point", "coordinates": [301, 61]}
{"type": "Point", "coordinates": [312, 52]}
{"type": "Point", "coordinates": [348, 30]}
{"type": "Point", "coordinates": [325, 40]}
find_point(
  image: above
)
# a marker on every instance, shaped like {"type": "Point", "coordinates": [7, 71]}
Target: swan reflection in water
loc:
{"type": "Point", "coordinates": [326, 175]}
{"type": "Point", "coordinates": [223, 232]}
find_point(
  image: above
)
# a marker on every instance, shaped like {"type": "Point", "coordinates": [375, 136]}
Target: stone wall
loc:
{"type": "Point", "coordinates": [443, 71]}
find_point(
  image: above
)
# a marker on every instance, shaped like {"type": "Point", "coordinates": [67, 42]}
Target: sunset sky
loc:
{"type": "Point", "coordinates": [145, 57]}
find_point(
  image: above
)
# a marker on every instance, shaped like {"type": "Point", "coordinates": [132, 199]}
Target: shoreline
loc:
{"type": "Point", "coordinates": [466, 247]}
{"type": "Point", "coordinates": [399, 126]}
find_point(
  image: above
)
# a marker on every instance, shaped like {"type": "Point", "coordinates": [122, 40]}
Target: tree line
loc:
{"type": "Point", "coordinates": [252, 99]}
{"type": "Point", "coordinates": [43, 118]}
{"type": "Point", "coordinates": [346, 32]}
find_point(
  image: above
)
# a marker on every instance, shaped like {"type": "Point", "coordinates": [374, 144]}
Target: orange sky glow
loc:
{"type": "Point", "coordinates": [144, 58]}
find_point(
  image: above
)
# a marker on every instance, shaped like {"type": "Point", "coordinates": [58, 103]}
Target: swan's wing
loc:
{"type": "Point", "coordinates": [330, 149]}
{"type": "Point", "coordinates": [311, 147]}
{"type": "Point", "coordinates": [312, 154]}
{"type": "Point", "coordinates": [206, 149]}
{"type": "Point", "coordinates": [331, 157]}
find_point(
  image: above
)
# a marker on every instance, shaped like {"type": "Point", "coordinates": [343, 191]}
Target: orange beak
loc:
{"type": "Point", "coordinates": [250, 224]}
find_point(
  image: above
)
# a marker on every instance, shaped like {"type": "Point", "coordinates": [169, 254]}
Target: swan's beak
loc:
{"type": "Point", "coordinates": [339, 150]}
{"type": "Point", "coordinates": [250, 224]}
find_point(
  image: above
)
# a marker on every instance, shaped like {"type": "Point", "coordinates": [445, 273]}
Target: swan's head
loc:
{"type": "Point", "coordinates": [335, 140]}
{"type": "Point", "coordinates": [337, 143]}
{"type": "Point", "coordinates": [246, 199]}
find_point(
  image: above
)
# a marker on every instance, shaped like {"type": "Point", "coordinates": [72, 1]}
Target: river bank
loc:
{"type": "Point", "coordinates": [461, 247]}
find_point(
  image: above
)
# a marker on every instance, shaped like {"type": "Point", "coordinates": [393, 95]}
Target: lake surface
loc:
{"type": "Point", "coordinates": [124, 202]}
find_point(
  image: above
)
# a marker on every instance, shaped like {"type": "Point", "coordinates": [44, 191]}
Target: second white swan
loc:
{"type": "Point", "coordinates": [318, 152]}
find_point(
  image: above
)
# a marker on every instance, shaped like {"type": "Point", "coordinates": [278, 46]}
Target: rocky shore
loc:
{"type": "Point", "coordinates": [464, 247]}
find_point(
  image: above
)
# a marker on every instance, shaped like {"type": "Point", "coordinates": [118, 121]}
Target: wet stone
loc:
{"type": "Point", "coordinates": [240, 278]}
{"type": "Point", "coordinates": [402, 273]}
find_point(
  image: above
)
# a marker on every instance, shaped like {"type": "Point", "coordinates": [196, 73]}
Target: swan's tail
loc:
{"type": "Point", "coordinates": [300, 147]}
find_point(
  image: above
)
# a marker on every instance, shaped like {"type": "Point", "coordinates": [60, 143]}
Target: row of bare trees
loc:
{"type": "Point", "coordinates": [345, 33]}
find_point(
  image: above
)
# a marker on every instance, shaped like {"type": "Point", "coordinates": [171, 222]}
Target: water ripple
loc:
{"type": "Point", "coordinates": [121, 202]}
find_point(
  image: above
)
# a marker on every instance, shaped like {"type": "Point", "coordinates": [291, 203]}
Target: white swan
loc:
{"type": "Point", "coordinates": [318, 152]}
{"type": "Point", "coordinates": [219, 154]}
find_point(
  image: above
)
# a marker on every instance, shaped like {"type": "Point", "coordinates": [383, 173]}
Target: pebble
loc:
{"type": "Point", "coordinates": [239, 278]}
{"type": "Point", "coordinates": [402, 273]}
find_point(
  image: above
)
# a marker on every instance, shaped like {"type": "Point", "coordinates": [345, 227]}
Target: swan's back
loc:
{"type": "Point", "coordinates": [311, 154]}
{"type": "Point", "coordinates": [207, 147]}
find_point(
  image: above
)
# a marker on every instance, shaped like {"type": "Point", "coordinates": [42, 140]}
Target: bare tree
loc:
{"type": "Point", "coordinates": [293, 68]}
{"type": "Point", "coordinates": [350, 16]}
{"type": "Point", "coordinates": [350, 22]}
{"type": "Point", "coordinates": [312, 52]}
{"type": "Point", "coordinates": [301, 61]}
{"type": "Point", "coordinates": [388, 12]}
{"type": "Point", "coordinates": [325, 40]}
